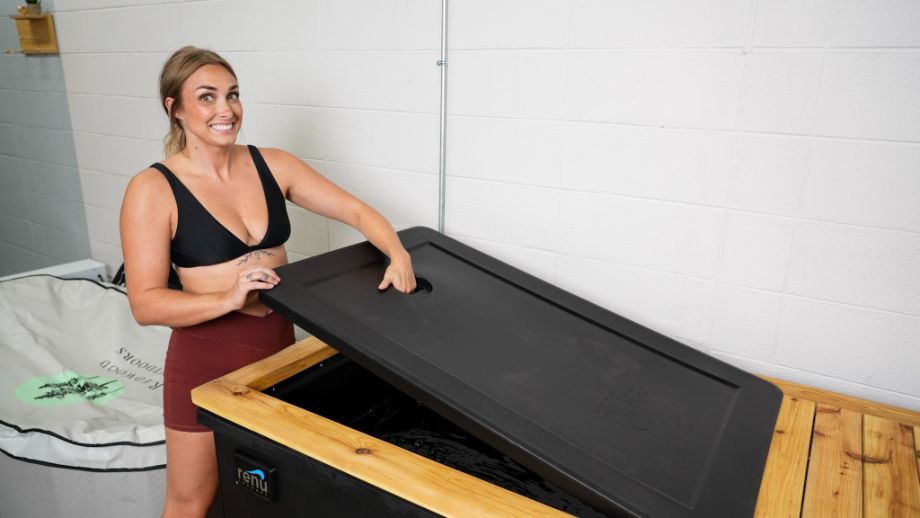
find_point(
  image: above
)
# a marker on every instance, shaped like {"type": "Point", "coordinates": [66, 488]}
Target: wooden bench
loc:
{"type": "Point", "coordinates": [839, 456]}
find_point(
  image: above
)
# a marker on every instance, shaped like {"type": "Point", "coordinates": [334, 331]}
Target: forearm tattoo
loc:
{"type": "Point", "coordinates": [245, 259]}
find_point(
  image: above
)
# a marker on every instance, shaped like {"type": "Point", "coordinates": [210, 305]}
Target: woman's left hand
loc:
{"type": "Point", "coordinates": [399, 274]}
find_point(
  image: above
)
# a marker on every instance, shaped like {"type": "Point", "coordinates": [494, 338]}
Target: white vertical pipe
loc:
{"type": "Point", "coordinates": [442, 166]}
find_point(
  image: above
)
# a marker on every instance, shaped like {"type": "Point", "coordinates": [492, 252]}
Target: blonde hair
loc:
{"type": "Point", "coordinates": [183, 63]}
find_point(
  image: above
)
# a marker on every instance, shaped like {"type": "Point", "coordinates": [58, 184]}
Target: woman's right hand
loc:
{"type": "Point", "coordinates": [247, 284]}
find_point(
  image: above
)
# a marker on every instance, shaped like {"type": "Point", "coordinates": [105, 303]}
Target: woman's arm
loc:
{"type": "Point", "coordinates": [146, 231]}
{"type": "Point", "coordinates": [310, 190]}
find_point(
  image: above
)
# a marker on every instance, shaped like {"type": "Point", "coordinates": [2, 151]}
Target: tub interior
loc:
{"type": "Point", "coordinates": [343, 391]}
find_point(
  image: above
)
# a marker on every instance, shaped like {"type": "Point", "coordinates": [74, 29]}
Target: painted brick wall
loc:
{"type": "Point", "coordinates": [741, 175]}
{"type": "Point", "coordinates": [42, 220]}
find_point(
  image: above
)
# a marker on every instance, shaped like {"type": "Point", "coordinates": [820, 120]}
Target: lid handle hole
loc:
{"type": "Point", "coordinates": [422, 285]}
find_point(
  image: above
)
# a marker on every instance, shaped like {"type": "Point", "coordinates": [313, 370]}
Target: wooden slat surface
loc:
{"type": "Point", "coordinates": [891, 485]}
{"type": "Point", "coordinates": [882, 481]}
{"type": "Point", "coordinates": [784, 477]}
{"type": "Point", "coordinates": [856, 404]}
{"type": "Point", "coordinates": [833, 488]}
{"type": "Point", "coordinates": [917, 450]}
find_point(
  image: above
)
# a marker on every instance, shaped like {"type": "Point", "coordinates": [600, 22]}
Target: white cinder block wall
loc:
{"type": "Point", "coordinates": [741, 175]}
{"type": "Point", "coordinates": [42, 220]}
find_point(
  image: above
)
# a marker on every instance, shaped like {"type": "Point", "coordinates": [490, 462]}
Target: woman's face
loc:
{"type": "Point", "coordinates": [211, 112]}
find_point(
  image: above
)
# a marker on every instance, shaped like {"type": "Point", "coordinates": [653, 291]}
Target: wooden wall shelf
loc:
{"type": "Point", "coordinates": [36, 33]}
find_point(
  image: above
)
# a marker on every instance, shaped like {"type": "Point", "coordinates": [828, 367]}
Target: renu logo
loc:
{"type": "Point", "coordinates": [255, 475]}
{"type": "Point", "coordinates": [254, 480]}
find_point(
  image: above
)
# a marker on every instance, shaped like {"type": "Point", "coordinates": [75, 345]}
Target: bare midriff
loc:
{"type": "Point", "coordinates": [216, 278]}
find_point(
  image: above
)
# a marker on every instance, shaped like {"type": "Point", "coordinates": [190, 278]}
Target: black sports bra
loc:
{"type": "Point", "coordinates": [201, 240]}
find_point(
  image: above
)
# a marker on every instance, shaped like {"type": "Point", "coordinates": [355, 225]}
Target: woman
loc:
{"type": "Point", "coordinates": [216, 210]}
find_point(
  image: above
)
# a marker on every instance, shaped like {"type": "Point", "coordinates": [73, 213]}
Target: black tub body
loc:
{"type": "Point", "coordinates": [300, 485]}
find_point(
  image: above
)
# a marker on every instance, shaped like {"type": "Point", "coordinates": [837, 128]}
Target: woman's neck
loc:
{"type": "Point", "coordinates": [209, 160]}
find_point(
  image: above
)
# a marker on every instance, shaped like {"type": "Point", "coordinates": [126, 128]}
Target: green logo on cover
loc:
{"type": "Point", "coordinates": [69, 388]}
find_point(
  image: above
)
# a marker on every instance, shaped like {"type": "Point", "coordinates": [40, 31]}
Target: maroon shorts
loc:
{"type": "Point", "coordinates": [200, 353]}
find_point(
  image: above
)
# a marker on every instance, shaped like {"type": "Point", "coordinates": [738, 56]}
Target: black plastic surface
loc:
{"type": "Point", "coordinates": [305, 486]}
{"type": "Point", "coordinates": [630, 421]}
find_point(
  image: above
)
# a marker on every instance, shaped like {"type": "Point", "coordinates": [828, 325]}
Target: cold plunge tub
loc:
{"type": "Point", "coordinates": [81, 424]}
{"type": "Point", "coordinates": [596, 413]}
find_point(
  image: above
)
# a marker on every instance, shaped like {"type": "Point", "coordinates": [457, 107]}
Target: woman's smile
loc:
{"type": "Point", "coordinates": [223, 127]}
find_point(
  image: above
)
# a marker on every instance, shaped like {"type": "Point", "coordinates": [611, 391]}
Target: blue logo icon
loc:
{"type": "Point", "coordinates": [251, 474]}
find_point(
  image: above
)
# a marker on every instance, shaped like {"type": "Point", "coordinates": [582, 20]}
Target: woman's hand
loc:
{"type": "Point", "coordinates": [248, 282]}
{"type": "Point", "coordinates": [399, 274]}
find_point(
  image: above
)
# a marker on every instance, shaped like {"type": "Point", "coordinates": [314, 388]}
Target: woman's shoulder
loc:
{"type": "Point", "coordinates": [273, 154]}
{"type": "Point", "coordinates": [148, 183]}
{"type": "Point", "coordinates": [283, 164]}
{"type": "Point", "coordinates": [149, 177]}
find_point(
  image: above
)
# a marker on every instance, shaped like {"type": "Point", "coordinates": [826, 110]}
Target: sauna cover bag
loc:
{"type": "Point", "coordinates": [80, 381]}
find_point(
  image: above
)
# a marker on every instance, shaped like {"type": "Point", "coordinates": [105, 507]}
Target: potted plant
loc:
{"type": "Point", "coordinates": [34, 7]}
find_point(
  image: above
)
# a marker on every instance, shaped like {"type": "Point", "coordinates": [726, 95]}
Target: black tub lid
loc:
{"type": "Point", "coordinates": [629, 420]}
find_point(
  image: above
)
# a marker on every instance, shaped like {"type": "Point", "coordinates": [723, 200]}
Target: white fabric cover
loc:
{"type": "Point", "coordinates": [57, 331]}
{"type": "Point", "coordinates": [33, 491]}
